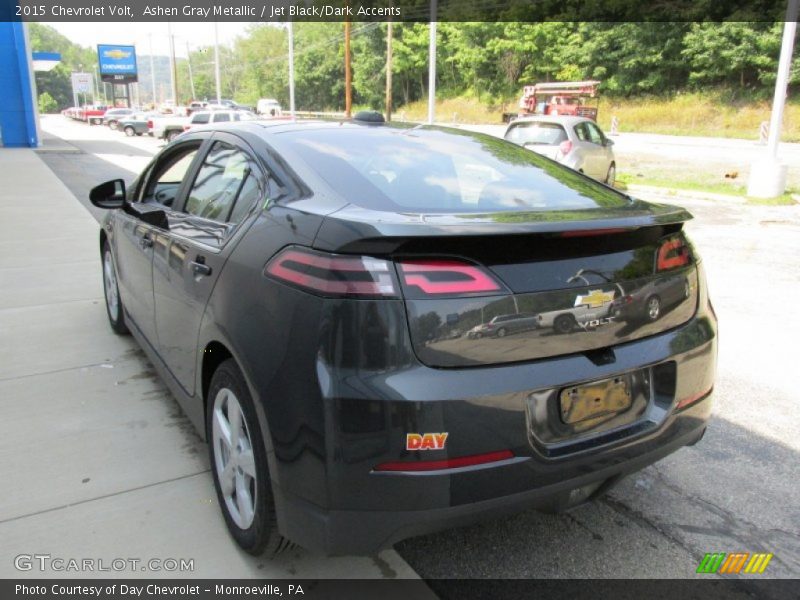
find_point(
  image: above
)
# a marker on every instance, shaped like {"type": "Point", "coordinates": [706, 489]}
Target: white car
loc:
{"type": "Point", "coordinates": [268, 107]}
{"type": "Point", "coordinates": [576, 142]}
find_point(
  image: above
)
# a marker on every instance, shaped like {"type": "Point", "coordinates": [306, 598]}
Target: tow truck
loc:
{"type": "Point", "coordinates": [568, 98]}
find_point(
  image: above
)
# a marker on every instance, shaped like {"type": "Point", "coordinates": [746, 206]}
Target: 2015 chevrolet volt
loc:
{"type": "Point", "coordinates": [305, 290]}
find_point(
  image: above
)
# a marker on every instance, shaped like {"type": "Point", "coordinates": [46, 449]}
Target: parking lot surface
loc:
{"type": "Point", "coordinates": [733, 492]}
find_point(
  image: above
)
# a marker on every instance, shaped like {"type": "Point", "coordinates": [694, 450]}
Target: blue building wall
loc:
{"type": "Point", "coordinates": [17, 110]}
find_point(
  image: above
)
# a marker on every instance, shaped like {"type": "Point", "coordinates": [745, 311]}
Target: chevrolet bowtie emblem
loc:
{"type": "Point", "coordinates": [594, 299]}
{"type": "Point", "coordinates": [117, 54]}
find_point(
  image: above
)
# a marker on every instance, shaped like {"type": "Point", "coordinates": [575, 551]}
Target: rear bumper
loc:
{"type": "Point", "coordinates": [336, 501]}
{"type": "Point", "coordinates": [363, 532]}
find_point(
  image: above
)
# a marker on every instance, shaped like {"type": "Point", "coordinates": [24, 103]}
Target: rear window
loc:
{"type": "Point", "coordinates": [404, 169]}
{"type": "Point", "coordinates": [539, 134]}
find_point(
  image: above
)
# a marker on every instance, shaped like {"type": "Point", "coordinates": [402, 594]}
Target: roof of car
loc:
{"type": "Point", "coordinates": [560, 119]}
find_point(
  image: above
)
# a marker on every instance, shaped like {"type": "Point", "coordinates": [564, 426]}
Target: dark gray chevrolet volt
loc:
{"type": "Point", "coordinates": [306, 291]}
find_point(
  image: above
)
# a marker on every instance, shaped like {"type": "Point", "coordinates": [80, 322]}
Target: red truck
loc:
{"type": "Point", "coordinates": [560, 98]}
{"type": "Point", "coordinates": [90, 113]}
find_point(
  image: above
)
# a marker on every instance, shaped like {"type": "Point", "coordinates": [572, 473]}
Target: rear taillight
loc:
{"type": "Point", "coordinates": [448, 277]}
{"type": "Point", "coordinates": [187, 127]}
{"type": "Point", "coordinates": [150, 124]}
{"type": "Point", "coordinates": [672, 254]}
{"type": "Point", "coordinates": [565, 147]}
{"type": "Point", "coordinates": [333, 274]}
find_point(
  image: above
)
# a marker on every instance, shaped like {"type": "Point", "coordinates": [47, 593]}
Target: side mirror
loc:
{"type": "Point", "coordinates": [609, 142]}
{"type": "Point", "coordinates": [108, 195]}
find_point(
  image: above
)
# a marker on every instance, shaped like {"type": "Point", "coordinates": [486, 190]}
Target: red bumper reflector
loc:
{"type": "Point", "coordinates": [692, 399]}
{"type": "Point", "coordinates": [448, 463]}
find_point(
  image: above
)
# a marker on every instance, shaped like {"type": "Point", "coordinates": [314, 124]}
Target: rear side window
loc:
{"type": "Point", "coordinates": [221, 117]}
{"type": "Point", "coordinates": [540, 134]}
{"type": "Point", "coordinates": [200, 118]}
{"type": "Point", "coordinates": [426, 169]}
{"type": "Point", "coordinates": [225, 186]}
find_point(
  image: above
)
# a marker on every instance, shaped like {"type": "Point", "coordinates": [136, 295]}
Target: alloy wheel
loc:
{"type": "Point", "coordinates": [110, 285]}
{"type": "Point", "coordinates": [233, 458]}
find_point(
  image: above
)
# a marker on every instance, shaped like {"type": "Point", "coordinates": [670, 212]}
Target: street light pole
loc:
{"type": "Point", "coordinates": [216, 62]}
{"type": "Point", "coordinates": [191, 77]}
{"type": "Point", "coordinates": [152, 70]}
{"type": "Point", "coordinates": [389, 71]}
{"type": "Point", "coordinates": [174, 67]}
{"type": "Point", "coordinates": [768, 175]}
{"type": "Point", "coordinates": [432, 65]}
{"type": "Point", "coordinates": [291, 70]}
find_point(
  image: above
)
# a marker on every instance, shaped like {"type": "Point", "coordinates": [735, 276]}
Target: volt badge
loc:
{"type": "Point", "coordinates": [426, 441]}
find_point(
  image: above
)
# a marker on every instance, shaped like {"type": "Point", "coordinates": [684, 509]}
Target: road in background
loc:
{"type": "Point", "coordinates": [734, 491]}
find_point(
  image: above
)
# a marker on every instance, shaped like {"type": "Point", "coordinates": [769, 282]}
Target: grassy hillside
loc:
{"type": "Point", "coordinates": [686, 114]}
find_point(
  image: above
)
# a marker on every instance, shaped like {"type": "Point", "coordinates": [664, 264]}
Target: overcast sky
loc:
{"type": "Point", "coordinates": [137, 34]}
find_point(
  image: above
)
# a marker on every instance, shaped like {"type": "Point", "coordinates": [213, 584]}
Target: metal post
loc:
{"type": "Point", "coordinates": [191, 77]}
{"type": "Point", "coordinates": [152, 71]}
{"type": "Point", "coordinates": [389, 71]}
{"type": "Point", "coordinates": [768, 175]}
{"type": "Point", "coordinates": [432, 65]}
{"type": "Point", "coordinates": [174, 68]}
{"type": "Point", "coordinates": [96, 86]}
{"type": "Point", "coordinates": [216, 62]}
{"type": "Point", "coordinates": [348, 75]}
{"type": "Point", "coordinates": [291, 70]}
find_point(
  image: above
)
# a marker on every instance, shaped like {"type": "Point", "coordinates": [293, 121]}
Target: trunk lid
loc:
{"type": "Point", "coordinates": [568, 281]}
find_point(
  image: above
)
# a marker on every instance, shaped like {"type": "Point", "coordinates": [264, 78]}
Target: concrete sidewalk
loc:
{"type": "Point", "coordinates": [96, 458]}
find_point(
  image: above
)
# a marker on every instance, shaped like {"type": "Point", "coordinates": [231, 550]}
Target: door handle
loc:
{"type": "Point", "coordinates": [200, 268]}
{"type": "Point", "coordinates": [146, 241]}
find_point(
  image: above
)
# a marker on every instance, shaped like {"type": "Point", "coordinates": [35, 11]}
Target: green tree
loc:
{"type": "Point", "coordinates": [47, 103]}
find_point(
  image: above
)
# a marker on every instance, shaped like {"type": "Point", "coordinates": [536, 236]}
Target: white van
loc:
{"type": "Point", "coordinates": [268, 107]}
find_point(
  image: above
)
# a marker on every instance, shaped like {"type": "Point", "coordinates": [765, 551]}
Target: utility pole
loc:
{"type": "Point", "coordinates": [432, 65]}
{"type": "Point", "coordinates": [389, 71]}
{"type": "Point", "coordinates": [152, 71]}
{"type": "Point", "coordinates": [291, 70]}
{"type": "Point", "coordinates": [191, 78]}
{"type": "Point", "coordinates": [96, 85]}
{"type": "Point", "coordinates": [173, 65]}
{"type": "Point", "coordinates": [216, 62]}
{"type": "Point", "coordinates": [768, 175]}
{"type": "Point", "coordinates": [348, 75]}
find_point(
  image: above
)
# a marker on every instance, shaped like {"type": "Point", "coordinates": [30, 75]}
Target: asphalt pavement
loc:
{"type": "Point", "coordinates": [734, 491]}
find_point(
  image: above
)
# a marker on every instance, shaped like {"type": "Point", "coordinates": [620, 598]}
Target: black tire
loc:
{"type": "Point", "coordinates": [129, 131]}
{"type": "Point", "coordinates": [116, 318]}
{"type": "Point", "coordinates": [172, 135]}
{"type": "Point", "coordinates": [652, 308]}
{"type": "Point", "coordinates": [501, 332]}
{"type": "Point", "coordinates": [112, 125]}
{"type": "Point", "coordinates": [611, 176]}
{"type": "Point", "coordinates": [564, 323]}
{"type": "Point", "coordinates": [261, 537]}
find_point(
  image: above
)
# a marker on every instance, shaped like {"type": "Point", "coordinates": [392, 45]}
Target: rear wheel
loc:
{"type": "Point", "coordinates": [130, 131]}
{"type": "Point", "coordinates": [112, 124]}
{"type": "Point", "coordinates": [611, 176]}
{"type": "Point", "coordinates": [116, 314]}
{"type": "Point", "coordinates": [564, 323]}
{"type": "Point", "coordinates": [172, 135]}
{"type": "Point", "coordinates": [501, 332]}
{"type": "Point", "coordinates": [239, 463]}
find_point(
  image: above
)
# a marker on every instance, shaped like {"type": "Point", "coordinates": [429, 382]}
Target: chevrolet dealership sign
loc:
{"type": "Point", "coordinates": [117, 63]}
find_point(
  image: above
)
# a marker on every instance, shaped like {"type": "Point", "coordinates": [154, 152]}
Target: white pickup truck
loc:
{"type": "Point", "coordinates": [169, 128]}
